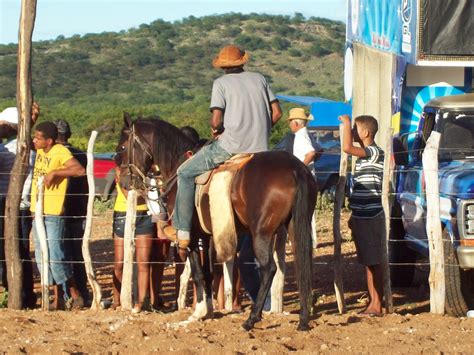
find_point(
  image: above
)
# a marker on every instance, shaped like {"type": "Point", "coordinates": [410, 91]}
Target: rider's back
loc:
{"type": "Point", "coordinates": [245, 99]}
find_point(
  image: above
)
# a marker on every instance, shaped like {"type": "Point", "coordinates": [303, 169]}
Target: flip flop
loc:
{"type": "Point", "coordinates": [370, 314]}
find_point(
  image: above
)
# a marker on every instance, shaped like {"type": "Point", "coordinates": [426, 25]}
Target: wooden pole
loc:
{"type": "Point", "coordinates": [128, 251]}
{"type": "Point", "coordinates": [433, 224]}
{"type": "Point", "coordinates": [278, 282]}
{"type": "Point", "coordinates": [20, 167]}
{"type": "Point", "coordinates": [96, 290]}
{"type": "Point", "coordinates": [386, 203]}
{"type": "Point", "coordinates": [228, 272]}
{"type": "Point", "coordinates": [183, 285]}
{"type": "Point", "coordinates": [338, 201]}
{"type": "Point", "coordinates": [42, 237]}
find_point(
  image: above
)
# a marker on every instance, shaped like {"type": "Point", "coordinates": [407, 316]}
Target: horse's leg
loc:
{"type": "Point", "coordinates": [202, 308]}
{"type": "Point", "coordinates": [263, 249]}
{"type": "Point", "coordinates": [279, 279]}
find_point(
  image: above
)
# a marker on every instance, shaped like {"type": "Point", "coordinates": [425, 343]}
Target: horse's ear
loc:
{"type": "Point", "coordinates": [127, 119]}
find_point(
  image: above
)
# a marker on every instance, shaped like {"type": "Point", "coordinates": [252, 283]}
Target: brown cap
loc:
{"type": "Point", "coordinates": [230, 56]}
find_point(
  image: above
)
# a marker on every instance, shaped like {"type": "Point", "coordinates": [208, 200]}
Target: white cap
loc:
{"type": "Point", "coordinates": [10, 115]}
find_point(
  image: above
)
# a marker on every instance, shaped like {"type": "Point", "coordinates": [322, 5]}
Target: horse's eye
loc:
{"type": "Point", "coordinates": [122, 148]}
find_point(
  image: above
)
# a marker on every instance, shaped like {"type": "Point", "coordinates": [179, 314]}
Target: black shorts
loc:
{"type": "Point", "coordinates": [369, 238]}
{"type": "Point", "coordinates": [143, 224]}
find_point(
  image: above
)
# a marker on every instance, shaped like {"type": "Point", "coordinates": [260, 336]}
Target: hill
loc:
{"type": "Point", "coordinates": [164, 69]}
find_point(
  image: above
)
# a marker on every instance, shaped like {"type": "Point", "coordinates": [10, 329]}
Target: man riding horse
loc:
{"type": "Point", "coordinates": [244, 109]}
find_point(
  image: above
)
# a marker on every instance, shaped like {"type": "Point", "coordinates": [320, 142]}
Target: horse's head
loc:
{"type": "Point", "coordinates": [134, 155]}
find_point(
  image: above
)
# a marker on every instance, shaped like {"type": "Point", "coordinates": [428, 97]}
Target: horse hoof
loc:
{"type": "Point", "coordinates": [303, 327]}
{"type": "Point", "coordinates": [248, 326]}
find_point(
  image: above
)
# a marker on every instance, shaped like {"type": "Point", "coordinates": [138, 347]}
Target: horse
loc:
{"type": "Point", "coordinates": [273, 193]}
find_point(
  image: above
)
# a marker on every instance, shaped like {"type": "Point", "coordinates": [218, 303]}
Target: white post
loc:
{"type": "Point", "coordinates": [338, 201]}
{"type": "Point", "coordinates": [96, 290]}
{"type": "Point", "coordinates": [433, 224]}
{"type": "Point", "coordinates": [386, 203]}
{"type": "Point", "coordinates": [278, 282]}
{"type": "Point", "coordinates": [228, 270]}
{"type": "Point", "coordinates": [41, 233]}
{"type": "Point", "coordinates": [128, 251]}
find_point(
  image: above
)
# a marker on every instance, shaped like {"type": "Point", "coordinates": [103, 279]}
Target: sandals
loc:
{"type": "Point", "coordinates": [73, 304]}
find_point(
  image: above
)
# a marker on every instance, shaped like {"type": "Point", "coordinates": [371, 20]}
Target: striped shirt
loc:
{"type": "Point", "coordinates": [366, 194]}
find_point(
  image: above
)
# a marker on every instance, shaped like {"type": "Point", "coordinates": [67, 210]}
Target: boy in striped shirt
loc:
{"type": "Point", "coordinates": [367, 221]}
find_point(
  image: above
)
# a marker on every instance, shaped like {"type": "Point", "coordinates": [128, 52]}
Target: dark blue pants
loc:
{"type": "Point", "coordinates": [249, 270]}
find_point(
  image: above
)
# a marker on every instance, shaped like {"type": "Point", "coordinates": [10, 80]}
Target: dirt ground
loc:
{"type": "Point", "coordinates": [411, 329]}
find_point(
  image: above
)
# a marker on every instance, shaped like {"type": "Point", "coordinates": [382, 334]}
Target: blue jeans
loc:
{"type": "Point", "coordinates": [59, 269]}
{"type": "Point", "coordinates": [208, 158]}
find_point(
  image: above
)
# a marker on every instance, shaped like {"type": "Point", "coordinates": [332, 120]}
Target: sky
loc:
{"type": "Point", "coordinates": [70, 17]}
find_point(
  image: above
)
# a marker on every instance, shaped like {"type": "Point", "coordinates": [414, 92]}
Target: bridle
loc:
{"type": "Point", "coordinates": [143, 185]}
{"type": "Point", "coordinates": [131, 167]}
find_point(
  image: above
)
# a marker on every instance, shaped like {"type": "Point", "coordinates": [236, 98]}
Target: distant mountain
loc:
{"type": "Point", "coordinates": [164, 69]}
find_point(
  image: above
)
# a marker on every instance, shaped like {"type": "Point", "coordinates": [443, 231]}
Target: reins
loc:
{"type": "Point", "coordinates": [164, 186]}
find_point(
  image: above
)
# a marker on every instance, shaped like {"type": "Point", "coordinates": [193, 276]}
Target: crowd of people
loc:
{"type": "Point", "coordinates": [243, 111]}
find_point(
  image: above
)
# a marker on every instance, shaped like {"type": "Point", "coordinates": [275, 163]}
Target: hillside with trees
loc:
{"type": "Point", "coordinates": [164, 69]}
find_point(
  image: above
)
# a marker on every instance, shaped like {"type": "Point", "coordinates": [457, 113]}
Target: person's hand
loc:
{"type": "Point", "coordinates": [345, 119]}
{"type": "Point", "coordinates": [215, 133]}
{"type": "Point", "coordinates": [49, 179]}
{"type": "Point", "coordinates": [35, 112]}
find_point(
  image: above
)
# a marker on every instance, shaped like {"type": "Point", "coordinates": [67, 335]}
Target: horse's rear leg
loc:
{"type": "Point", "coordinates": [263, 249]}
{"type": "Point", "coordinates": [204, 301]}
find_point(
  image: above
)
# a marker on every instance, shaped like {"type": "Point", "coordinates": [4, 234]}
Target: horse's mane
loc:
{"type": "Point", "coordinates": [168, 143]}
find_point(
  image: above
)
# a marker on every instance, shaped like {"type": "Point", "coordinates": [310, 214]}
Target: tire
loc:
{"type": "Point", "coordinates": [459, 283]}
{"type": "Point", "coordinates": [399, 252]}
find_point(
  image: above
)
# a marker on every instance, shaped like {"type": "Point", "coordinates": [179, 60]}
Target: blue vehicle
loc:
{"type": "Point", "coordinates": [324, 130]}
{"type": "Point", "coordinates": [453, 118]}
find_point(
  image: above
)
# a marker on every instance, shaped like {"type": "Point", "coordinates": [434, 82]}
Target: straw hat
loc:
{"type": "Point", "coordinates": [10, 115]}
{"type": "Point", "coordinates": [299, 114]}
{"type": "Point", "coordinates": [230, 56]}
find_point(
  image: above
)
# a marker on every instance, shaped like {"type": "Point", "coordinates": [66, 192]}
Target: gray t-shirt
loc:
{"type": "Point", "coordinates": [245, 99]}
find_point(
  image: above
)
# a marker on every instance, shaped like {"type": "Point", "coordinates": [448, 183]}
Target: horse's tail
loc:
{"type": "Point", "coordinates": [300, 227]}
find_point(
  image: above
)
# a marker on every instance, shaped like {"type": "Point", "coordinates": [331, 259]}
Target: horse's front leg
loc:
{"type": "Point", "coordinates": [203, 307]}
{"type": "Point", "coordinates": [263, 250]}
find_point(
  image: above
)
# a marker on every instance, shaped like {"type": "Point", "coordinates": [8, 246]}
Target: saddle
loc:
{"type": "Point", "coordinates": [214, 206]}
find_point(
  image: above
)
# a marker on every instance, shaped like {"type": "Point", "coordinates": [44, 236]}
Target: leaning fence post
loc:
{"type": "Point", "coordinates": [41, 233]}
{"type": "Point", "coordinates": [128, 251]}
{"type": "Point", "coordinates": [433, 224]}
{"type": "Point", "coordinates": [386, 203]}
{"type": "Point", "coordinates": [96, 290]}
{"type": "Point", "coordinates": [338, 201]}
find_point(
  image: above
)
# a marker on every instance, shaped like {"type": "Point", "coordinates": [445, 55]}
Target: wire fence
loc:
{"type": "Point", "coordinates": [420, 194]}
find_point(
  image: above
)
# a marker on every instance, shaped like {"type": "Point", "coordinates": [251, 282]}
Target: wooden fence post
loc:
{"type": "Point", "coordinates": [20, 167]}
{"type": "Point", "coordinates": [42, 237]}
{"type": "Point", "coordinates": [338, 201]}
{"type": "Point", "coordinates": [128, 251]}
{"type": "Point", "coordinates": [386, 203]}
{"type": "Point", "coordinates": [96, 290]}
{"type": "Point", "coordinates": [183, 285]}
{"type": "Point", "coordinates": [228, 272]}
{"type": "Point", "coordinates": [278, 282]}
{"type": "Point", "coordinates": [433, 224]}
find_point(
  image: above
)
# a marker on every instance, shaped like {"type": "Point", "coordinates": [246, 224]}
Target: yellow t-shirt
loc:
{"type": "Point", "coordinates": [54, 197]}
{"type": "Point", "coordinates": [121, 202]}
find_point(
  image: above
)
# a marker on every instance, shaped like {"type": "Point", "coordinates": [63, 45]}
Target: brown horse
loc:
{"type": "Point", "coordinates": [272, 192]}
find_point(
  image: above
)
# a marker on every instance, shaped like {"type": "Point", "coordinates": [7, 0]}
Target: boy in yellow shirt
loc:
{"type": "Point", "coordinates": [55, 163]}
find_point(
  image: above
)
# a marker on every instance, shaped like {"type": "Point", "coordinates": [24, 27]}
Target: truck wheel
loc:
{"type": "Point", "coordinates": [400, 253]}
{"type": "Point", "coordinates": [459, 283]}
